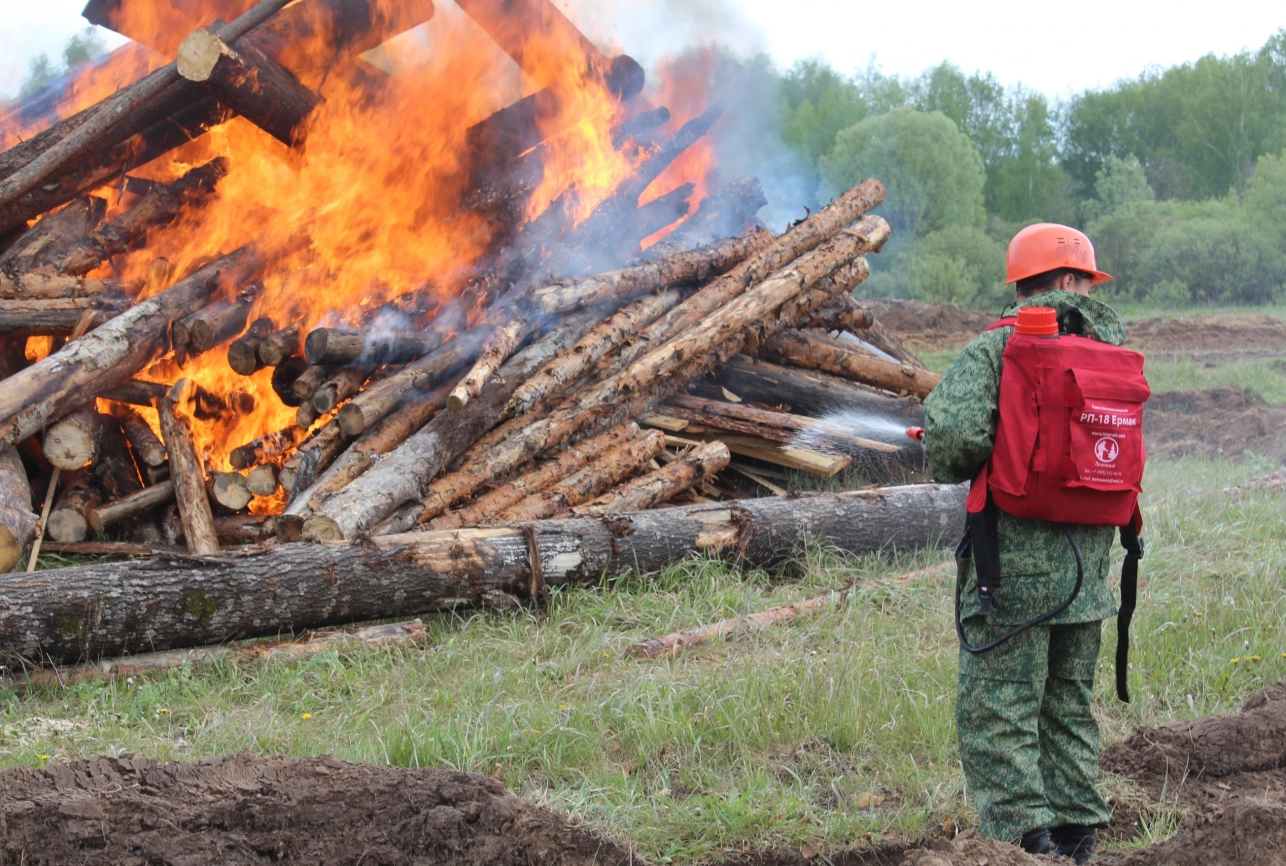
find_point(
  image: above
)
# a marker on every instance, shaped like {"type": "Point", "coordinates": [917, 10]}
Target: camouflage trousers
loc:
{"type": "Point", "coordinates": [1029, 742]}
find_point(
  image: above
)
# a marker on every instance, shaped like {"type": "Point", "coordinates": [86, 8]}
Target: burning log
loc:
{"type": "Point", "coordinates": [397, 478]}
{"type": "Point", "coordinates": [604, 338]}
{"type": "Point", "coordinates": [567, 462]}
{"type": "Point", "coordinates": [249, 82]}
{"type": "Point", "coordinates": [217, 323]}
{"type": "Point", "coordinates": [284, 376]}
{"type": "Point", "coordinates": [339, 387]}
{"type": "Point", "coordinates": [270, 447]}
{"type": "Point", "coordinates": [813, 352]}
{"type": "Point", "coordinates": [243, 352]}
{"type": "Point", "coordinates": [37, 287]}
{"type": "Point", "coordinates": [639, 125]}
{"type": "Point", "coordinates": [109, 355]}
{"type": "Point", "coordinates": [262, 480]}
{"type": "Point", "coordinates": [44, 243]}
{"type": "Point", "coordinates": [136, 392]}
{"type": "Point", "coordinates": [73, 442]}
{"type": "Point", "coordinates": [306, 384]}
{"type": "Point", "coordinates": [306, 415]}
{"type": "Point", "coordinates": [275, 348]}
{"type": "Point", "coordinates": [67, 521]}
{"type": "Point", "coordinates": [230, 490]}
{"type": "Point", "coordinates": [662, 485]}
{"type": "Point", "coordinates": [616, 464]}
{"type": "Point", "coordinates": [17, 520]}
{"type": "Point", "coordinates": [158, 207]}
{"type": "Point", "coordinates": [50, 317]}
{"type": "Point", "coordinates": [723, 213]}
{"type": "Point", "coordinates": [189, 480]}
{"type": "Point", "coordinates": [120, 606]}
{"type": "Point", "coordinates": [333, 347]}
{"type": "Point", "coordinates": [139, 502]}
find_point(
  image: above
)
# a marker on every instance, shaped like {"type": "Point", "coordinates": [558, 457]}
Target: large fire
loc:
{"type": "Point", "coordinates": [375, 188]}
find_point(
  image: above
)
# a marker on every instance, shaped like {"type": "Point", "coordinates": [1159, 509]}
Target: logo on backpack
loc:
{"type": "Point", "coordinates": [1107, 450]}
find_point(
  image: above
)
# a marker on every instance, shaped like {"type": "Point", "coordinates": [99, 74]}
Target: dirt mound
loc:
{"type": "Point", "coordinates": [243, 810]}
{"type": "Point", "coordinates": [1216, 422]}
{"type": "Point", "coordinates": [1243, 833]}
{"type": "Point", "coordinates": [969, 849]}
{"type": "Point", "coordinates": [1250, 334]}
{"type": "Point", "coordinates": [930, 327]}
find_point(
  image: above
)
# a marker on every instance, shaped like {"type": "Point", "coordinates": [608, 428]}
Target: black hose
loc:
{"type": "Point", "coordinates": [1076, 590]}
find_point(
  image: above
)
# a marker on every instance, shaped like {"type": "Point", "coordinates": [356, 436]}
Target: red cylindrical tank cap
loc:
{"type": "Point", "coordinates": [1037, 321]}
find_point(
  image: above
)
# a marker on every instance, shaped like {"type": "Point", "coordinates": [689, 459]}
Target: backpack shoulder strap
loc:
{"type": "Point", "coordinates": [1132, 541]}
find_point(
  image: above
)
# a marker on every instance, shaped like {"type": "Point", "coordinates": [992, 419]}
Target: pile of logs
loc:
{"type": "Point", "coordinates": [521, 435]}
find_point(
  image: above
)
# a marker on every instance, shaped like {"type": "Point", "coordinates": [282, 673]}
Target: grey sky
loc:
{"type": "Point", "coordinates": [1056, 48]}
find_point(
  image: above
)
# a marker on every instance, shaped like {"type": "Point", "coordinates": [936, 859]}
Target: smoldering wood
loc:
{"type": "Point", "coordinates": [144, 443]}
{"type": "Point", "coordinates": [280, 345]}
{"type": "Point", "coordinates": [639, 125]}
{"type": "Point", "coordinates": [114, 468]}
{"type": "Point", "coordinates": [136, 392]}
{"type": "Point", "coordinates": [104, 609]}
{"type": "Point", "coordinates": [110, 354]}
{"type": "Point", "coordinates": [56, 317]}
{"type": "Point", "coordinates": [307, 382]}
{"type": "Point", "coordinates": [661, 485]}
{"type": "Point", "coordinates": [47, 241]}
{"type": "Point", "coordinates": [341, 385]}
{"type": "Point", "coordinates": [158, 207]}
{"type": "Point", "coordinates": [249, 82]}
{"type": "Point", "coordinates": [139, 502]}
{"type": "Point", "coordinates": [189, 479]}
{"type": "Point", "coordinates": [284, 376]}
{"type": "Point", "coordinates": [243, 352]}
{"type": "Point", "coordinates": [567, 462]}
{"type": "Point", "coordinates": [219, 323]}
{"type": "Point", "coordinates": [333, 347]}
{"type": "Point", "coordinates": [814, 351]}
{"type": "Point", "coordinates": [723, 213]}
{"type": "Point", "coordinates": [401, 473]}
{"type": "Point", "coordinates": [271, 447]}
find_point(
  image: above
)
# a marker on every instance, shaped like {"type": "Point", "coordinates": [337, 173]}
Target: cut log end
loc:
{"type": "Point", "coordinates": [319, 527]}
{"type": "Point", "coordinates": [198, 54]}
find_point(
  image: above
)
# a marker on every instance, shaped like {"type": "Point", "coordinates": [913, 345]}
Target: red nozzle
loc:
{"type": "Point", "coordinates": [916, 433]}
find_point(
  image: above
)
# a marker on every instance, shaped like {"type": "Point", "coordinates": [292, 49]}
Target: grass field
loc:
{"type": "Point", "coordinates": [772, 738]}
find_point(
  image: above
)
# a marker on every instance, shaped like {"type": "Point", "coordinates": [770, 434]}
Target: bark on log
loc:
{"type": "Point", "coordinates": [157, 208]}
{"type": "Point", "coordinates": [56, 317]}
{"type": "Point", "coordinates": [840, 313]}
{"type": "Point", "coordinates": [605, 338]}
{"type": "Point", "coordinates": [189, 480]}
{"type": "Point", "coordinates": [383, 437]}
{"type": "Point", "coordinates": [17, 520]}
{"type": "Point", "coordinates": [400, 476]}
{"type": "Point", "coordinates": [827, 464]}
{"type": "Point", "coordinates": [811, 352]}
{"type": "Point", "coordinates": [283, 380]}
{"type": "Point", "coordinates": [339, 387]}
{"type": "Point", "coordinates": [618, 463]}
{"type": "Point", "coordinates": [239, 529]}
{"type": "Point", "coordinates": [569, 461]}
{"type": "Point", "coordinates": [661, 485]}
{"type": "Point", "coordinates": [879, 337]}
{"type": "Point", "coordinates": [46, 242]}
{"type": "Point", "coordinates": [334, 347]}
{"type": "Point", "coordinates": [809, 392]}
{"type": "Point", "coordinates": [39, 287]}
{"type": "Point", "coordinates": [306, 415]}
{"type": "Point", "coordinates": [217, 323]}
{"type": "Point", "coordinates": [503, 342]}
{"type": "Point", "coordinates": [107, 356]}
{"type": "Point", "coordinates": [711, 411]}
{"type": "Point", "coordinates": [133, 505]}
{"type": "Point", "coordinates": [280, 345]}
{"type": "Point", "coordinates": [243, 352]}
{"type": "Point", "coordinates": [307, 383]}
{"type": "Point", "coordinates": [67, 522]}
{"type": "Point", "coordinates": [249, 82]}
{"type": "Point", "coordinates": [108, 609]}
{"type": "Point", "coordinates": [136, 392]}
{"type": "Point", "coordinates": [146, 446]}
{"type": "Point", "coordinates": [313, 455]}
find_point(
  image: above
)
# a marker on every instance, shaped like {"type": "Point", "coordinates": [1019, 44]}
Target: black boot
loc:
{"type": "Point", "coordinates": [1037, 841]}
{"type": "Point", "coordinates": [1073, 840]}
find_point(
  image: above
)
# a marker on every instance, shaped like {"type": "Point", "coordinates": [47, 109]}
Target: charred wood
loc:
{"type": "Point", "coordinates": [137, 503]}
{"type": "Point", "coordinates": [243, 352]}
{"type": "Point", "coordinates": [55, 317]}
{"type": "Point", "coordinates": [44, 244]}
{"type": "Point", "coordinates": [341, 385]}
{"type": "Point", "coordinates": [723, 213]}
{"type": "Point", "coordinates": [284, 376]}
{"type": "Point", "coordinates": [307, 383]}
{"type": "Point", "coordinates": [136, 392]}
{"type": "Point", "coordinates": [280, 345]}
{"type": "Point", "coordinates": [269, 448]}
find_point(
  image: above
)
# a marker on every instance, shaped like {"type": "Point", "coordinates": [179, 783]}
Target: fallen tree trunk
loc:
{"type": "Point", "coordinates": [107, 609]}
{"type": "Point", "coordinates": [158, 207]}
{"type": "Point", "coordinates": [661, 485]}
{"type": "Point", "coordinates": [801, 349]}
{"type": "Point", "coordinates": [107, 356]}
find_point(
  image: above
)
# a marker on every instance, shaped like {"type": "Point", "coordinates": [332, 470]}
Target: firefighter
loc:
{"type": "Point", "coordinates": [1029, 743]}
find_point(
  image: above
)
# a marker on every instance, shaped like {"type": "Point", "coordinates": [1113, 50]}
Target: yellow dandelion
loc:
{"type": "Point", "coordinates": [564, 706]}
{"type": "Point", "coordinates": [306, 716]}
{"type": "Point", "coordinates": [165, 709]}
{"type": "Point", "coordinates": [1234, 661]}
{"type": "Point", "coordinates": [45, 757]}
{"type": "Point", "coordinates": [1254, 658]}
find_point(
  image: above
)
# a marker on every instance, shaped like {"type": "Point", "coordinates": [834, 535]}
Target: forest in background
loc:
{"type": "Point", "coordinates": [1178, 176]}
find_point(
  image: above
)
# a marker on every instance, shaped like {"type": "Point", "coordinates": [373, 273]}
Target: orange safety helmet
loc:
{"type": "Point", "coordinates": [1047, 247]}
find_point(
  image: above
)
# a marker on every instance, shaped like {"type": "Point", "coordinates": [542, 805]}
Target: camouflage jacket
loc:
{"type": "Point", "coordinates": [1038, 568]}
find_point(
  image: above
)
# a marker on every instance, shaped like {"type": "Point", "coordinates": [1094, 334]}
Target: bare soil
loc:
{"type": "Point", "coordinates": [1216, 422]}
{"type": "Point", "coordinates": [133, 811]}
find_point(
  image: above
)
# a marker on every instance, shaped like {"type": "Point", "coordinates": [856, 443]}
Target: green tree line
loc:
{"type": "Point", "coordinates": [1178, 176]}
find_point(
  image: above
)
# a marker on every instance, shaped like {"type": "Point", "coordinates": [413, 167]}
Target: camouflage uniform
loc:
{"type": "Point", "coordinates": [1029, 743]}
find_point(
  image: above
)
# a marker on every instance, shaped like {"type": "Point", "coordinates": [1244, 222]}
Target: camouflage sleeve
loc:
{"type": "Point", "coordinates": [961, 413]}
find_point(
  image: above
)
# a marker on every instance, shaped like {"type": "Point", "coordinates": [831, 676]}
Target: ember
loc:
{"type": "Point", "coordinates": [362, 303]}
